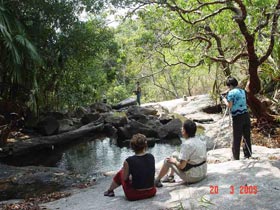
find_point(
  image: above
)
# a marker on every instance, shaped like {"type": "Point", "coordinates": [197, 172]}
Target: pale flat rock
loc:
{"type": "Point", "coordinates": [193, 104]}
{"type": "Point", "coordinates": [261, 175]}
{"type": "Point", "coordinates": [218, 132]}
{"type": "Point", "coordinates": [169, 105]}
{"type": "Point", "coordinates": [259, 153]}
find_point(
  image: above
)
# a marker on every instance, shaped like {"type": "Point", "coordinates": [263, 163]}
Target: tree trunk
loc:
{"type": "Point", "coordinates": [254, 84]}
{"type": "Point", "coordinates": [253, 87]}
{"type": "Point", "coordinates": [47, 142]}
{"type": "Point", "coordinates": [258, 110]}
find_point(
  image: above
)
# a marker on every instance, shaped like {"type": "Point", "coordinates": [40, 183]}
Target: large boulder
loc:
{"type": "Point", "coordinates": [134, 127]}
{"type": "Point", "coordinates": [136, 110]}
{"type": "Point", "coordinates": [80, 112]}
{"type": "Point", "coordinates": [208, 141]}
{"type": "Point", "coordinates": [48, 126]}
{"type": "Point", "coordinates": [110, 131]}
{"type": "Point", "coordinates": [65, 125]}
{"type": "Point", "coordinates": [125, 103]}
{"type": "Point", "coordinates": [149, 120]}
{"type": "Point", "coordinates": [139, 117]}
{"type": "Point", "coordinates": [170, 130]}
{"type": "Point", "coordinates": [160, 110]}
{"type": "Point", "coordinates": [88, 118]}
{"type": "Point", "coordinates": [100, 107]}
{"type": "Point", "coordinates": [117, 119]}
{"type": "Point", "coordinates": [56, 115]}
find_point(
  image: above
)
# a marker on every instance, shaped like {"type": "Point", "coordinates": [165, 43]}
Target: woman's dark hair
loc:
{"type": "Point", "coordinates": [190, 127]}
{"type": "Point", "coordinates": [138, 142]}
{"type": "Point", "coordinates": [231, 81]}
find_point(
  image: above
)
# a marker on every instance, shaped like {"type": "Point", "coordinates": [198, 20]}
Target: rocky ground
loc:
{"type": "Point", "coordinates": [255, 182]}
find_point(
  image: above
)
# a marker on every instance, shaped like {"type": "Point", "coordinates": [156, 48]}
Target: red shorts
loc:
{"type": "Point", "coordinates": [131, 193]}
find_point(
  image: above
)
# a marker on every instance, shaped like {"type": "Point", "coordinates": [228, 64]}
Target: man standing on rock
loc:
{"type": "Point", "coordinates": [236, 101]}
{"type": "Point", "coordinates": [191, 164]}
{"type": "Point", "coordinates": [138, 93]}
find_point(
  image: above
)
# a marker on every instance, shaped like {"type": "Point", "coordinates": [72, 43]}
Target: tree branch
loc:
{"type": "Point", "coordinates": [250, 40]}
{"type": "Point", "coordinates": [205, 17]}
{"type": "Point", "coordinates": [185, 11]}
{"type": "Point", "coordinates": [222, 59]}
{"type": "Point", "coordinates": [262, 24]}
{"type": "Point", "coordinates": [194, 38]}
{"type": "Point", "coordinates": [179, 62]}
{"type": "Point", "coordinates": [273, 32]}
{"type": "Point", "coordinates": [243, 9]}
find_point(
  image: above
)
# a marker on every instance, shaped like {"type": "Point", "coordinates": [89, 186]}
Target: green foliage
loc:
{"type": "Point", "coordinates": [204, 202]}
{"type": "Point", "coordinates": [119, 114]}
{"type": "Point", "coordinates": [269, 73]}
{"type": "Point", "coordinates": [78, 62]}
{"type": "Point", "coordinates": [80, 59]}
{"type": "Point", "coordinates": [117, 93]}
{"type": "Point", "coordinates": [179, 206]}
{"type": "Point", "coordinates": [18, 55]}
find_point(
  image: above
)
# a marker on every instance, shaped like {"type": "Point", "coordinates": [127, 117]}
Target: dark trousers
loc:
{"type": "Point", "coordinates": [138, 96]}
{"type": "Point", "coordinates": [241, 127]}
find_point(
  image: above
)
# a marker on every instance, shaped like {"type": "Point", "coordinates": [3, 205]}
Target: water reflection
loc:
{"type": "Point", "coordinates": [95, 157]}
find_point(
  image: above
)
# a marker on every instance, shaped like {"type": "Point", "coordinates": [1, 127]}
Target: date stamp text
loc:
{"type": "Point", "coordinates": [242, 190]}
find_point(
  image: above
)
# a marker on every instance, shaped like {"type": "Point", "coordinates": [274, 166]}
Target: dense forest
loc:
{"type": "Point", "coordinates": [66, 66]}
{"type": "Point", "coordinates": [53, 59]}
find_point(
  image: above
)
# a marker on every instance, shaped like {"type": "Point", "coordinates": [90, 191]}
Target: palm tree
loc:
{"type": "Point", "coordinates": [17, 53]}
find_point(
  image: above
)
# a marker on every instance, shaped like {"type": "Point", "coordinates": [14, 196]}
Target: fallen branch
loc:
{"type": "Point", "coordinates": [47, 142]}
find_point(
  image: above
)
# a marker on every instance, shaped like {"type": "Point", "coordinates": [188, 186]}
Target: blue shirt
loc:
{"type": "Point", "coordinates": [238, 98]}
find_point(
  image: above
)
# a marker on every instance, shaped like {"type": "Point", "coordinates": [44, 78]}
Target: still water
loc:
{"type": "Point", "coordinates": [92, 158]}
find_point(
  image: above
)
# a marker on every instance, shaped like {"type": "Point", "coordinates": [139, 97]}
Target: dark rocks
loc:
{"type": "Point", "coordinates": [146, 121]}
{"type": "Point", "coordinates": [100, 107]}
{"type": "Point", "coordinates": [134, 127]}
{"type": "Point", "coordinates": [19, 182]}
{"type": "Point", "coordinates": [125, 103]}
{"type": "Point", "coordinates": [139, 117]}
{"type": "Point", "coordinates": [88, 118]}
{"type": "Point", "coordinates": [117, 119]}
{"type": "Point", "coordinates": [48, 126]}
{"type": "Point", "coordinates": [56, 115]}
{"type": "Point", "coordinates": [110, 131]}
{"type": "Point", "coordinates": [204, 121]}
{"type": "Point", "coordinates": [65, 125]}
{"type": "Point", "coordinates": [80, 112]}
{"type": "Point", "coordinates": [170, 130]}
{"type": "Point", "coordinates": [213, 109]}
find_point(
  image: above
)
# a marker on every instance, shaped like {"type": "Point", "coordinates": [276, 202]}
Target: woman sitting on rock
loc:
{"type": "Point", "coordinates": [137, 174]}
{"type": "Point", "coordinates": [191, 164]}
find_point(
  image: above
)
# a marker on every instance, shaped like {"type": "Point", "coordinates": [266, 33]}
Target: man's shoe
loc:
{"type": "Point", "coordinates": [169, 179]}
{"type": "Point", "coordinates": [158, 183]}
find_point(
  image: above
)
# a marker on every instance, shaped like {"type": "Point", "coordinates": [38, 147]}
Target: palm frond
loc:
{"type": "Point", "coordinates": [29, 47]}
{"type": "Point", "coordinates": [13, 51]}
